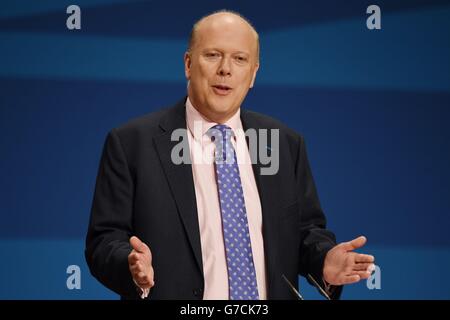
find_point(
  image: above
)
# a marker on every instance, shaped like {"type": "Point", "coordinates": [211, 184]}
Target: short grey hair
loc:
{"type": "Point", "coordinates": [191, 41]}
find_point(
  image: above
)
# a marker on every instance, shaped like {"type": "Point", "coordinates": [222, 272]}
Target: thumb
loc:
{"type": "Point", "coordinates": [138, 245]}
{"type": "Point", "coordinates": [355, 243]}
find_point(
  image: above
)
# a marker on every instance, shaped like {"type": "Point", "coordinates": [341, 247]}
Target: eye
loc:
{"type": "Point", "coordinates": [241, 59]}
{"type": "Point", "coordinates": [212, 55]}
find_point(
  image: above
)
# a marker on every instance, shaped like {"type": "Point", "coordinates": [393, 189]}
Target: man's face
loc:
{"type": "Point", "coordinates": [221, 66]}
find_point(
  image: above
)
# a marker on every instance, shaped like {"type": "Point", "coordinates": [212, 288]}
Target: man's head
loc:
{"type": "Point", "coordinates": [221, 64]}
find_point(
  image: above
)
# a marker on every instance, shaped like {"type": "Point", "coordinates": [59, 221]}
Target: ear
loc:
{"type": "Point", "coordinates": [187, 65]}
{"type": "Point", "coordinates": [254, 75]}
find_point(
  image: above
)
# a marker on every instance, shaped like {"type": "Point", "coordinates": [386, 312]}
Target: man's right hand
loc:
{"type": "Point", "coordinates": [140, 264]}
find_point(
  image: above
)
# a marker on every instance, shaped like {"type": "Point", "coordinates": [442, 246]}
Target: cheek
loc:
{"type": "Point", "coordinates": [245, 83]}
{"type": "Point", "coordinates": [246, 78]}
{"type": "Point", "coordinates": [200, 78]}
{"type": "Point", "coordinates": [205, 70]}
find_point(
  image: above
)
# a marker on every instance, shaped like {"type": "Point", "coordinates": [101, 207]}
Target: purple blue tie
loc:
{"type": "Point", "coordinates": [241, 269]}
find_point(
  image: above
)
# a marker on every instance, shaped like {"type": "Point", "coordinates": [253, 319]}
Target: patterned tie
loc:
{"type": "Point", "coordinates": [241, 270]}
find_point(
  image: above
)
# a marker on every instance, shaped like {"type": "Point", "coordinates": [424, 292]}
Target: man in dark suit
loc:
{"type": "Point", "coordinates": [162, 229]}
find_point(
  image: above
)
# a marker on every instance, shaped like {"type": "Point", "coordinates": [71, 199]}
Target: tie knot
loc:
{"type": "Point", "coordinates": [220, 133]}
{"type": "Point", "coordinates": [221, 136]}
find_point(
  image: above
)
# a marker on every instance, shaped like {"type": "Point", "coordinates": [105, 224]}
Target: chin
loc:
{"type": "Point", "coordinates": [223, 110]}
{"type": "Point", "coordinates": [220, 107]}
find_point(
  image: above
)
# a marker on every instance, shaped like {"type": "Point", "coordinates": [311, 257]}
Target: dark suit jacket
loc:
{"type": "Point", "coordinates": [139, 191]}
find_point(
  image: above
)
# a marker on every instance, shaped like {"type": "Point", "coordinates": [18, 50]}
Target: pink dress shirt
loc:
{"type": "Point", "coordinates": [208, 208]}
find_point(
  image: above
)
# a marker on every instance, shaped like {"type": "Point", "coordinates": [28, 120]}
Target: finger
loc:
{"type": "Point", "coordinates": [146, 285]}
{"type": "Point", "coordinates": [143, 271]}
{"type": "Point", "coordinates": [145, 278]}
{"type": "Point", "coordinates": [133, 257]}
{"type": "Point", "coordinates": [362, 266]}
{"type": "Point", "coordinates": [350, 279]}
{"type": "Point", "coordinates": [136, 257]}
{"type": "Point", "coordinates": [361, 274]}
{"type": "Point", "coordinates": [371, 268]}
{"type": "Point", "coordinates": [355, 243]}
{"type": "Point", "coordinates": [138, 245]}
{"type": "Point", "coordinates": [141, 248]}
{"type": "Point", "coordinates": [143, 283]}
{"type": "Point", "coordinates": [134, 267]}
{"type": "Point", "coordinates": [138, 267]}
{"type": "Point", "coordinates": [364, 258]}
{"type": "Point", "coordinates": [134, 271]}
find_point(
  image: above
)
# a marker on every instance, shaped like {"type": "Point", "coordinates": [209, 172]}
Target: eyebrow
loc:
{"type": "Point", "coordinates": [216, 49]}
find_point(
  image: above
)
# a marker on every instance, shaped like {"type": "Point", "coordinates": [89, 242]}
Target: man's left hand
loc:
{"type": "Point", "coordinates": [343, 266]}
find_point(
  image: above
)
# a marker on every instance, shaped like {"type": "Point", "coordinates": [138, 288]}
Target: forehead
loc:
{"type": "Point", "coordinates": [227, 32]}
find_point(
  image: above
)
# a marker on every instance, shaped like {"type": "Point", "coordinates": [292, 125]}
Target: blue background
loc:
{"type": "Point", "coordinates": [374, 107]}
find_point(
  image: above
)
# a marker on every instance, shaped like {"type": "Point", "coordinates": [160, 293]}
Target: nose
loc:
{"type": "Point", "coordinates": [224, 67]}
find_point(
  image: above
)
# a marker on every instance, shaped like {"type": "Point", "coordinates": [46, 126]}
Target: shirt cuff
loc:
{"type": "Point", "coordinates": [143, 293]}
{"type": "Point", "coordinates": [328, 288]}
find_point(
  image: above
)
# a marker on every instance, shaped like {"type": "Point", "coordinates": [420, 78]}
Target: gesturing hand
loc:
{"type": "Point", "coordinates": [343, 266]}
{"type": "Point", "coordinates": [140, 264]}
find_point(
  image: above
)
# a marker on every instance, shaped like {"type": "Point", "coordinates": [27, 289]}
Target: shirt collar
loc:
{"type": "Point", "coordinates": [199, 125]}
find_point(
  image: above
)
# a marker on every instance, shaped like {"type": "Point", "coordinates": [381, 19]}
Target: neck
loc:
{"type": "Point", "coordinates": [214, 116]}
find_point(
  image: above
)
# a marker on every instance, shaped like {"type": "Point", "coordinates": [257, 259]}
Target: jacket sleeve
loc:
{"type": "Point", "coordinates": [110, 226]}
{"type": "Point", "coordinates": [316, 240]}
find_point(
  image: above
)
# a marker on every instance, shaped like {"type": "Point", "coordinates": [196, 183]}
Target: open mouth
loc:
{"type": "Point", "coordinates": [221, 89]}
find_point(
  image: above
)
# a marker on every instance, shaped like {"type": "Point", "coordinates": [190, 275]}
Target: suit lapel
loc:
{"type": "Point", "coordinates": [180, 177]}
{"type": "Point", "coordinates": [184, 193]}
{"type": "Point", "coordinates": [268, 187]}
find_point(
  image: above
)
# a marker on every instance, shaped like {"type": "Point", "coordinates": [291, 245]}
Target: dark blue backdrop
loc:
{"type": "Point", "coordinates": [374, 107]}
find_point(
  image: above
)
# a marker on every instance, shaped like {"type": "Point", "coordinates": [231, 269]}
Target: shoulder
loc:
{"type": "Point", "coordinates": [145, 124]}
{"type": "Point", "coordinates": [152, 124]}
{"type": "Point", "coordinates": [262, 121]}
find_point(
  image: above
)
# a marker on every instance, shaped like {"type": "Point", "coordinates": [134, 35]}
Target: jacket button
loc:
{"type": "Point", "coordinates": [198, 292]}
